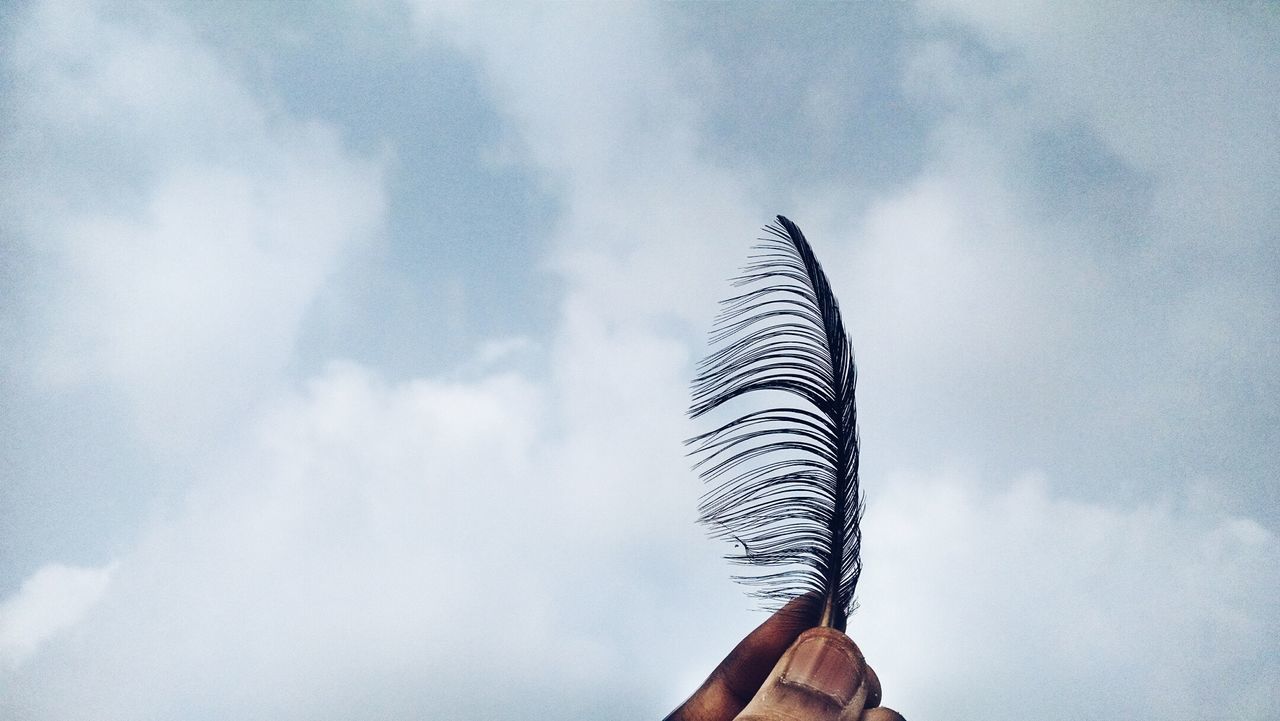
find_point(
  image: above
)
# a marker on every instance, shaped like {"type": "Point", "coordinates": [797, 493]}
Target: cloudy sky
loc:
{"type": "Point", "coordinates": [344, 352]}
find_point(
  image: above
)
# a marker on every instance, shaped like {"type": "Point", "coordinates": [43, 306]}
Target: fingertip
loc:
{"type": "Point", "coordinates": [872, 682]}
{"type": "Point", "coordinates": [881, 714]}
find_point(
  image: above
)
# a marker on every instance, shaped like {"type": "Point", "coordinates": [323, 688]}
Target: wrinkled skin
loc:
{"type": "Point", "coordinates": [787, 671]}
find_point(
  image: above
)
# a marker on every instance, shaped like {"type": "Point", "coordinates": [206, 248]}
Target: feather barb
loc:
{"type": "Point", "coordinates": [783, 475]}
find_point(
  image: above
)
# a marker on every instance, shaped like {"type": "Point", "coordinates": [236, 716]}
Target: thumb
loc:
{"type": "Point", "coordinates": [820, 678]}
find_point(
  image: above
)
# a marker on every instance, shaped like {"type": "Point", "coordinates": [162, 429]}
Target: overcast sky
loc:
{"type": "Point", "coordinates": [344, 352]}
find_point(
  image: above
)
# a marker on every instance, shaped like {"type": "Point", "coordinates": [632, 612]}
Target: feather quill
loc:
{"type": "Point", "coordinates": [783, 478]}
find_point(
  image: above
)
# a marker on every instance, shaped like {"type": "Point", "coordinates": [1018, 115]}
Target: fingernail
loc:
{"type": "Point", "coordinates": [825, 665]}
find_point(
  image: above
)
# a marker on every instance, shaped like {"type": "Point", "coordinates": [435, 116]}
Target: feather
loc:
{"type": "Point", "coordinates": [783, 478]}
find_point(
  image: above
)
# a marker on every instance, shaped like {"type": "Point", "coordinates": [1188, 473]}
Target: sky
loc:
{"type": "Point", "coordinates": [344, 350]}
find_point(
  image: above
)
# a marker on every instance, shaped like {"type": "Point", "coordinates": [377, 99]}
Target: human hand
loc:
{"type": "Point", "coordinates": [783, 672]}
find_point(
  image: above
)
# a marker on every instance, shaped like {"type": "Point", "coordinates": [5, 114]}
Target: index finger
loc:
{"type": "Point", "coordinates": [735, 681]}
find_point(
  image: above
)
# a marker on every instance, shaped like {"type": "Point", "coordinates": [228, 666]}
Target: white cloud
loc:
{"type": "Point", "coordinates": [424, 546]}
{"type": "Point", "coordinates": [1040, 606]}
{"type": "Point", "coordinates": [384, 548]}
{"type": "Point", "coordinates": [504, 547]}
{"type": "Point", "coordinates": [1055, 290]}
{"type": "Point", "coordinates": [596, 105]}
{"type": "Point", "coordinates": [1179, 95]}
{"type": "Point", "coordinates": [367, 530]}
{"type": "Point", "coordinates": [970, 303]}
{"type": "Point", "coordinates": [1172, 89]}
{"type": "Point", "coordinates": [183, 223]}
{"type": "Point", "coordinates": [51, 600]}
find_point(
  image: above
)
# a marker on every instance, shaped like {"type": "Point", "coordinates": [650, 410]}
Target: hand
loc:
{"type": "Point", "coordinates": [783, 672]}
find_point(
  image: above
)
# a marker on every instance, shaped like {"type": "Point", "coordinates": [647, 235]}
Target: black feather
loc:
{"type": "Point", "coordinates": [784, 479]}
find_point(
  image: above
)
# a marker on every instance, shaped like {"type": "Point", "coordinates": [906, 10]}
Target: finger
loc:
{"type": "Point", "coordinates": [820, 678]}
{"type": "Point", "coordinates": [872, 683]}
{"type": "Point", "coordinates": [732, 684]}
{"type": "Point", "coordinates": [881, 714]}
{"type": "Point", "coordinates": [868, 696]}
